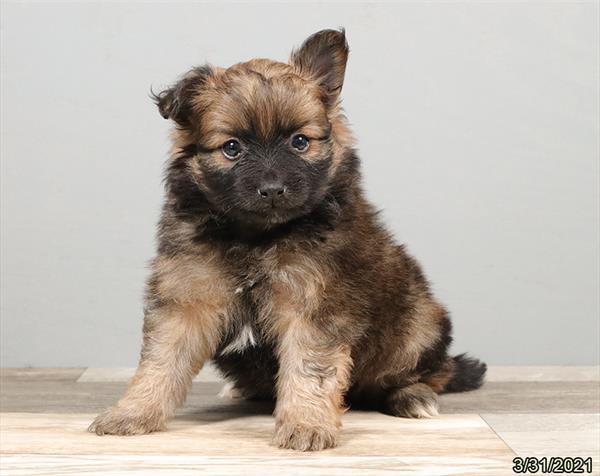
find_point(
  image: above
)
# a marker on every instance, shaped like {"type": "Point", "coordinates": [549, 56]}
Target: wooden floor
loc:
{"type": "Point", "coordinates": [527, 411]}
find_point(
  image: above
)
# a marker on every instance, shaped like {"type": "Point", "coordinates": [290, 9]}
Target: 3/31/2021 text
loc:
{"type": "Point", "coordinates": [553, 464]}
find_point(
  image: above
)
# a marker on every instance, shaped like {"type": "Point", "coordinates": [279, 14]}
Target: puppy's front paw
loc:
{"type": "Point", "coordinates": [296, 436]}
{"type": "Point", "coordinates": [121, 421]}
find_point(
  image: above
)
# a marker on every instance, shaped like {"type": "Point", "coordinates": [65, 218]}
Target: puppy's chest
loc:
{"type": "Point", "coordinates": [276, 287]}
{"type": "Point", "coordinates": [247, 304]}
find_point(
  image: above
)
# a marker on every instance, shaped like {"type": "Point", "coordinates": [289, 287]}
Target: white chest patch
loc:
{"type": "Point", "coordinates": [244, 339]}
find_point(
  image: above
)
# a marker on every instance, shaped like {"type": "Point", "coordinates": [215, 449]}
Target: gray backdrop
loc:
{"type": "Point", "coordinates": [477, 124]}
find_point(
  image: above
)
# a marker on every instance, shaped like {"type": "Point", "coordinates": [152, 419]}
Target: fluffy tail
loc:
{"type": "Point", "coordinates": [467, 374]}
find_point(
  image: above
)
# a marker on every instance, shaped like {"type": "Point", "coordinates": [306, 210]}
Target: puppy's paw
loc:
{"type": "Point", "coordinates": [414, 401]}
{"type": "Point", "coordinates": [121, 421]}
{"type": "Point", "coordinates": [296, 436]}
{"type": "Point", "coordinates": [419, 409]}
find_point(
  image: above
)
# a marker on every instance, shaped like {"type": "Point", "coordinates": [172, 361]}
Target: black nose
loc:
{"type": "Point", "coordinates": [271, 190]}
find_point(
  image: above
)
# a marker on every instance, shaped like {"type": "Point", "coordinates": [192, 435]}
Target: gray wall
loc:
{"type": "Point", "coordinates": [477, 124]}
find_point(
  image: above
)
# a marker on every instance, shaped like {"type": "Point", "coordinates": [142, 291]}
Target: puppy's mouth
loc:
{"type": "Point", "coordinates": [271, 216]}
{"type": "Point", "coordinates": [268, 213]}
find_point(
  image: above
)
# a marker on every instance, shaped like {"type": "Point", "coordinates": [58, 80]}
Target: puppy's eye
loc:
{"type": "Point", "coordinates": [300, 142]}
{"type": "Point", "coordinates": [232, 149]}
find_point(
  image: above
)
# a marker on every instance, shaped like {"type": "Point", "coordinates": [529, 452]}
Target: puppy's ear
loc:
{"type": "Point", "coordinates": [323, 57]}
{"type": "Point", "coordinates": [176, 102]}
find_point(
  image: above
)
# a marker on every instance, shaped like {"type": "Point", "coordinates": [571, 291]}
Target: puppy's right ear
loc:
{"type": "Point", "coordinates": [176, 102]}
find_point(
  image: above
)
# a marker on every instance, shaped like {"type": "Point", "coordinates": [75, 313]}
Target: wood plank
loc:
{"type": "Point", "coordinates": [364, 434]}
{"type": "Point", "coordinates": [526, 397]}
{"type": "Point", "coordinates": [494, 397]}
{"type": "Point", "coordinates": [590, 373]}
{"type": "Point", "coordinates": [549, 434]}
{"type": "Point", "coordinates": [522, 373]}
{"type": "Point", "coordinates": [41, 374]}
{"type": "Point", "coordinates": [299, 465]}
{"type": "Point", "coordinates": [240, 444]}
{"type": "Point", "coordinates": [123, 374]}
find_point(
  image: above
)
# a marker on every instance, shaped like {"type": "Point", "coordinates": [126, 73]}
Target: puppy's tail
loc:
{"type": "Point", "coordinates": [467, 374]}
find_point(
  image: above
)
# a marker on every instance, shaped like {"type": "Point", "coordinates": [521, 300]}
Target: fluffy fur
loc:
{"type": "Point", "coordinates": [274, 264]}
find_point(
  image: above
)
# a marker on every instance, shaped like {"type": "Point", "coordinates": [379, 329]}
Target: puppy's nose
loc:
{"type": "Point", "coordinates": [272, 190]}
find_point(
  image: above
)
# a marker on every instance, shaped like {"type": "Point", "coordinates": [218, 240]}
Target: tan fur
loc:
{"type": "Point", "coordinates": [314, 371]}
{"type": "Point", "coordinates": [179, 336]}
{"type": "Point", "coordinates": [342, 136]}
{"type": "Point", "coordinates": [313, 376]}
{"type": "Point", "coordinates": [297, 280]}
{"type": "Point", "coordinates": [192, 279]}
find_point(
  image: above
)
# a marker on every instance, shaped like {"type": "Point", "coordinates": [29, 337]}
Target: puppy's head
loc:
{"type": "Point", "coordinates": [263, 138]}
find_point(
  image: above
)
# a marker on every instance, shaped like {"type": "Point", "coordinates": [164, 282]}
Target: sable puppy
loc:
{"type": "Point", "coordinates": [271, 262]}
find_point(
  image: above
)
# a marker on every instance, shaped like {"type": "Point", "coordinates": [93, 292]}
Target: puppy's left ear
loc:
{"type": "Point", "coordinates": [323, 58]}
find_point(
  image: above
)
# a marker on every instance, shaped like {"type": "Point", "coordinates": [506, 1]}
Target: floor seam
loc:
{"type": "Point", "coordinates": [498, 435]}
{"type": "Point", "coordinates": [83, 370]}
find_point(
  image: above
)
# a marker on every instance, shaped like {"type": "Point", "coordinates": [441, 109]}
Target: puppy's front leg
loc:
{"type": "Point", "coordinates": [313, 376]}
{"type": "Point", "coordinates": [178, 339]}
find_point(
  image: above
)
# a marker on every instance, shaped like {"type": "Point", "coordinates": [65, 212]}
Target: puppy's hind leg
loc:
{"type": "Point", "coordinates": [414, 401]}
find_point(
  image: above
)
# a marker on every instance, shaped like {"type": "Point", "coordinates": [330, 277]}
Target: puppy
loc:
{"type": "Point", "coordinates": [272, 263]}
